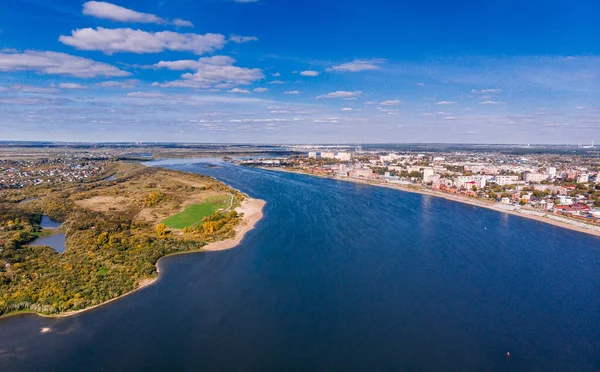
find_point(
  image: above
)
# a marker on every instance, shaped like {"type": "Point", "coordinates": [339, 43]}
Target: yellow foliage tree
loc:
{"type": "Point", "coordinates": [208, 227]}
{"type": "Point", "coordinates": [102, 239]}
{"type": "Point", "coordinates": [161, 229]}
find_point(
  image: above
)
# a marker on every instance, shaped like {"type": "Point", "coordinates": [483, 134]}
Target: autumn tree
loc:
{"type": "Point", "coordinates": [161, 229]}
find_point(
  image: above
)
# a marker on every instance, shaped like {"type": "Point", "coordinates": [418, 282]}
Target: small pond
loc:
{"type": "Point", "coordinates": [56, 241]}
{"type": "Point", "coordinates": [110, 178]}
{"type": "Point", "coordinates": [49, 223]}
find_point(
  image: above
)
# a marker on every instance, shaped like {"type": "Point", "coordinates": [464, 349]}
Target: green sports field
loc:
{"type": "Point", "coordinates": [196, 212]}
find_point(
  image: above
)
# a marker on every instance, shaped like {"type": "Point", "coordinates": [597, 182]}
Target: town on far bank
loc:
{"type": "Point", "coordinates": [538, 184]}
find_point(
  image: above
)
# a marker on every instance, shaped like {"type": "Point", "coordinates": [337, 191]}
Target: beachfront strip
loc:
{"type": "Point", "coordinates": [565, 186]}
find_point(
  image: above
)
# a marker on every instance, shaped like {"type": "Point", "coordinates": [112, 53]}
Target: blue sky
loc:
{"type": "Point", "coordinates": [310, 71]}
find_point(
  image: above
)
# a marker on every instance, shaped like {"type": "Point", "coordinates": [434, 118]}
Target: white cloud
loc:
{"type": "Point", "coordinates": [125, 84]}
{"type": "Point", "coordinates": [371, 103]}
{"type": "Point", "coordinates": [346, 109]}
{"type": "Point", "coordinates": [291, 92]}
{"type": "Point", "coordinates": [490, 103]}
{"type": "Point", "coordinates": [182, 23]}
{"type": "Point", "coordinates": [261, 90]}
{"type": "Point", "coordinates": [265, 120]}
{"type": "Point", "coordinates": [116, 40]}
{"type": "Point", "coordinates": [310, 73]}
{"type": "Point", "coordinates": [104, 10]}
{"type": "Point", "coordinates": [357, 65]}
{"type": "Point", "coordinates": [276, 82]}
{"type": "Point", "coordinates": [188, 64]}
{"type": "Point", "coordinates": [33, 89]}
{"type": "Point", "coordinates": [53, 63]}
{"type": "Point", "coordinates": [484, 91]}
{"type": "Point", "coordinates": [146, 95]}
{"type": "Point", "coordinates": [340, 94]}
{"type": "Point", "coordinates": [277, 74]}
{"type": "Point", "coordinates": [71, 86]}
{"type": "Point", "coordinates": [390, 103]}
{"type": "Point", "coordinates": [30, 100]}
{"type": "Point", "coordinates": [445, 103]}
{"type": "Point", "coordinates": [327, 120]}
{"type": "Point", "coordinates": [242, 39]}
{"type": "Point", "coordinates": [238, 90]}
{"type": "Point", "coordinates": [216, 71]}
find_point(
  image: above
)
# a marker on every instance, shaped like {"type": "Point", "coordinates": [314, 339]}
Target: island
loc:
{"type": "Point", "coordinates": [117, 225]}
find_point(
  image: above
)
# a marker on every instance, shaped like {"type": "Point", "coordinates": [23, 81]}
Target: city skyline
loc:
{"type": "Point", "coordinates": [269, 71]}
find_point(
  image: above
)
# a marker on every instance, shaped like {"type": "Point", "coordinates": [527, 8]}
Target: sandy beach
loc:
{"type": "Point", "coordinates": [547, 217]}
{"type": "Point", "coordinates": [252, 213]}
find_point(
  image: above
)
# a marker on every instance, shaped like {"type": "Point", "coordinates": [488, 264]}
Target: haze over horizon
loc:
{"type": "Point", "coordinates": [268, 71]}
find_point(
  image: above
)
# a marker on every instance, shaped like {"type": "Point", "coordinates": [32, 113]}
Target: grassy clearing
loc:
{"type": "Point", "coordinates": [45, 232]}
{"type": "Point", "coordinates": [196, 212]}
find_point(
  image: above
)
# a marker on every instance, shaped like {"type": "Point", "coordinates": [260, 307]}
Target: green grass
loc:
{"type": "Point", "coordinates": [45, 232]}
{"type": "Point", "coordinates": [196, 212]}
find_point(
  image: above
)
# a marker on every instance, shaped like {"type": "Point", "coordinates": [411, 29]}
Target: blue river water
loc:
{"type": "Point", "coordinates": [344, 277]}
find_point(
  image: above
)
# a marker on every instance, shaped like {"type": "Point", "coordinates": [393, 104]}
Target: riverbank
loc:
{"type": "Point", "coordinates": [548, 218]}
{"type": "Point", "coordinates": [252, 213]}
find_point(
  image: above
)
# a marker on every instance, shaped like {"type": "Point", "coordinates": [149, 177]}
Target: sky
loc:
{"type": "Point", "coordinates": [300, 71]}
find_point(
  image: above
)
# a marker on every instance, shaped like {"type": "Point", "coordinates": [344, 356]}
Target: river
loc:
{"type": "Point", "coordinates": [344, 277]}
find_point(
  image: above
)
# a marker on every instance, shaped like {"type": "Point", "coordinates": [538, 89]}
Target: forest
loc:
{"type": "Point", "coordinates": [114, 236]}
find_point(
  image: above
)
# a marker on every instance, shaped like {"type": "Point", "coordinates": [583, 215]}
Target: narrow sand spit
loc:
{"type": "Point", "coordinates": [252, 211]}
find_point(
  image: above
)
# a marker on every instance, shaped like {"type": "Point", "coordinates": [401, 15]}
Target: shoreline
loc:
{"type": "Point", "coordinates": [252, 210]}
{"type": "Point", "coordinates": [555, 220]}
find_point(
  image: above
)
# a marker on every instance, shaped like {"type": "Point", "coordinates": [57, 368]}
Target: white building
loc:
{"type": "Point", "coordinates": [532, 177]}
{"type": "Point", "coordinates": [362, 172]}
{"type": "Point", "coordinates": [344, 156]}
{"type": "Point", "coordinates": [595, 212]}
{"type": "Point", "coordinates": [551, 172]}
{"type": "Point", "coordinates": [388, 158]}
{"type": "Point", "coordinates": [480, 180]}
{"type": "Point", "coordinates": [564, 200]}
{"type": "Point", "coordinates": [435, 178]}
{"type": "Point", "coordinates": [328, 155]}
{"type": "Point", "coordinates": [505, 180]}
{"type": "Point", "coordinates": [312, 155]}
{"type": "Point", "coordinates": [583, 178]}
{"type": "Point", "coordinates": [427, 174]}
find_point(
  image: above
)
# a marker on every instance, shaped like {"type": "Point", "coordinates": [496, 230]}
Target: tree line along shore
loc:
{"type": "Point", "coordinates": [115, 234]}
